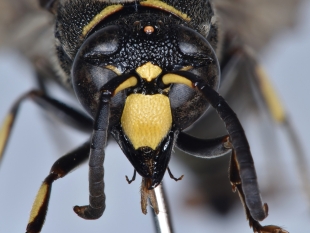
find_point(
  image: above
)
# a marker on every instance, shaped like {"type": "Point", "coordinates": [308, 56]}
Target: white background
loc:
{"type": "Point", "coordinates": [34, 146]}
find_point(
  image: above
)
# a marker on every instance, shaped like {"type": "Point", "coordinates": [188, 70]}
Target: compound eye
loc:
{"type": "Point", "coordinates": [199, 54]}
{"type": "Point", "coordinates": [187, 46]}
{"type": "Point", "coordinates": [193, 44]}
{"type": "Point", "coordinates": [92, 66]}
{"type": "Point", "coordinates": [101, 44]}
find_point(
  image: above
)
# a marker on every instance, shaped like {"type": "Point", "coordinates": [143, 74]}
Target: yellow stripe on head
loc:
{"type": "Point", "coordinates": [109, 10]}
{"type": "Point", "coordinates": [164, 6]}
{"type": "Point", "coordinates": [186, 68]}
{"type": "Point", "coordinates": [130, 82]}
{"type": "Point", "coordinates": [114, 69]}
{"type": "Point", "coordinates": [173, 78]}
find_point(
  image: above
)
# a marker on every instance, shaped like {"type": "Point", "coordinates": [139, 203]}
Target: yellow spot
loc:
{"type": "Point", "coordinates": [186, 68]}
{"type": "Point", "coordinates": [273, 102]}
{"type": "Point", "coordinates": [146, 119]}
{"type": "Point", "coordinates": [38, 202]}
{"type": "Point", "coordinates": [4, 132]}
{"type": "Point", "coordinates": [148, 71]}
{"type": "Point", "coordinates": [114, 69]}
{"type": "Point", "coordinates": [132, 81]}
{"type": "Point", "coordinates": [173, 78]}
{"type": "Point", "coordinates": [109, 10]}
{"type": "Point", "coordinates": [164, 6]}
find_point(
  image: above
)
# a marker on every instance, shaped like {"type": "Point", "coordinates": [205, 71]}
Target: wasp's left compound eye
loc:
{"type": "Point", "coordinates": [199, 54]}
{"type": "Point", "coordinates": [193, 44]}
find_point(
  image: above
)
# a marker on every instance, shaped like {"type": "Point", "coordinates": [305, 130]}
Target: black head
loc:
{"type": "Point", "coordinates": [147, 115]}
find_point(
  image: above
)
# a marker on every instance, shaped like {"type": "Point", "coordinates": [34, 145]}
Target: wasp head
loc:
{"type": "Point", "coordinates": [147, 113]}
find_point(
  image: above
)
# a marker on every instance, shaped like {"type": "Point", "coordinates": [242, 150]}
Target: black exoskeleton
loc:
{"type": "Point", "coordinates": [144, 71]}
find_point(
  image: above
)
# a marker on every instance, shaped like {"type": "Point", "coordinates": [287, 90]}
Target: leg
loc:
{"type": "Point", "coordinates": [68, 115]}
{"type": "Point", "coordinates": [172, 176]}
{"type": "Point", "coordinates": [133, 177]}
{"type": "Point", "coordinates": [271, 102]}
{"type": "Point", "coordinates": [267, 99]}
{"type": "Point", "coordinates": [234, 175]}
{"type": "Point", "coordinates": [59, 169]}
{"type": "Point", "coordinates": [236, 59]}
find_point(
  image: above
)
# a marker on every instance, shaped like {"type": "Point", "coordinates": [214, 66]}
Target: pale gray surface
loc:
{"type": "Point", "coordinates": [32, 150]}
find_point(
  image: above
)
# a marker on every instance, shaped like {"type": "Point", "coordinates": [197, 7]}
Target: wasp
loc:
{"type": "Point", "coordinates": [144, 71]}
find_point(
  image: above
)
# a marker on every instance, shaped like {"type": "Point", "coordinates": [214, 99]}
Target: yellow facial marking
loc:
{"type": "Point", "coordinates": [109, 10]}
{"type": "Point", "coordinates": [4, 132]}
{"type": "Point", "coordinates": [186, 68]}
{"type": "Point", "coordinates": [42, 193]}
{"type": "Point", "coordinates": [148, 71]}
{"type": "Point", "coordinates": [173, 78]}
{"type": "Point", "coordinates": [114, 69]}
{"type": "Point", "coordinates": [146, 119]}
{"type": "Point", "coordinates": [164, 6]}
{"type": "Point", "coordinates": [128, 83]}
{"type": "Point", "coordinates": [271, 98]}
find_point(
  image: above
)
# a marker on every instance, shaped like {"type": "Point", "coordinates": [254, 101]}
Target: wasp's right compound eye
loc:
{"type": "Point", "coordinates": [100, 44]}
{"type": "Point", "coordinates": [92, 66]}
